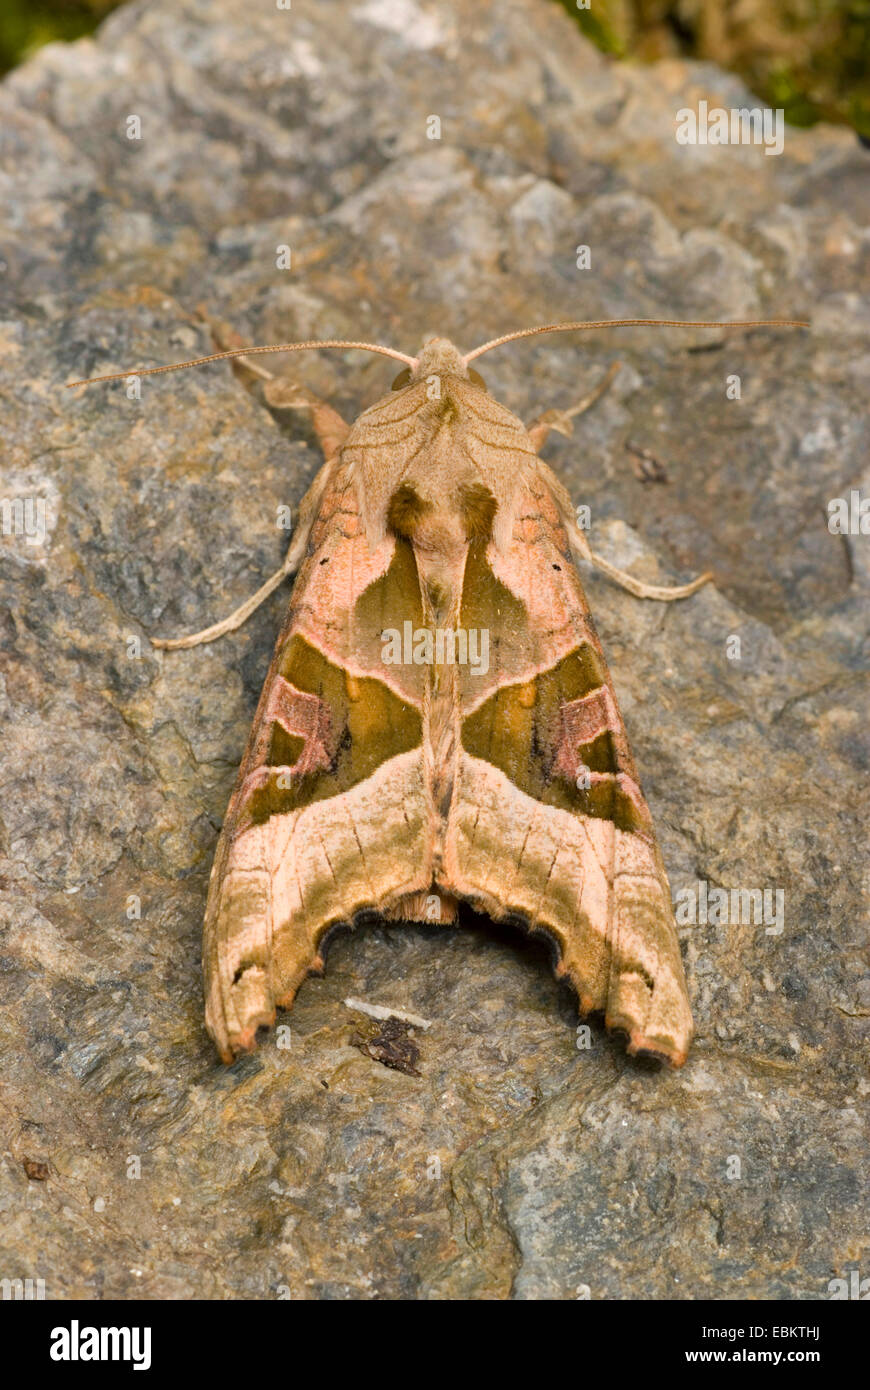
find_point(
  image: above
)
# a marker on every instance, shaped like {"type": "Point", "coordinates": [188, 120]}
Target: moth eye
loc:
{"type": "Point", "coordinates": [402, 379]}
{"type": "Point", "coordinates": [476, 378]}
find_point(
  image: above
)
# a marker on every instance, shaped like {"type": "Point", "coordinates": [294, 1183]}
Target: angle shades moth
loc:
{"type": "Point", "coordinates": [376, 786]}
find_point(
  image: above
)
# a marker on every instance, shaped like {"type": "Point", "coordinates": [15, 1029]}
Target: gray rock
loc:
{"type": "Point", "coordinates": [519, 1164]}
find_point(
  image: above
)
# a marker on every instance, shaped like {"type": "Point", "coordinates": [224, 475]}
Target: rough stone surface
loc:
{"type": "Point", "coordinates": [517, 1165]}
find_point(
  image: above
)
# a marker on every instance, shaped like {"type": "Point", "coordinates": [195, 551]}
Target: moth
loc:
{"type": "Point", "coordinates": [385, 775]}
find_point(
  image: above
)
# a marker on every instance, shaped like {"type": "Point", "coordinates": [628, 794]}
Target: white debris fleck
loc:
{"type": "Point", "coordinates": [379, 1011]}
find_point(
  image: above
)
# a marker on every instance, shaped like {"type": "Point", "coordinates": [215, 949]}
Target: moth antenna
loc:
{"type": "Point", "coordinates": [249, 352]}
{"type": "Point", "coordinates": [634, 323]}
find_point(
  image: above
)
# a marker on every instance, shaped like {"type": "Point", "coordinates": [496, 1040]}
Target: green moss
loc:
{"type": "Point", "coordinates": [603, 34]}
{"type": "Point", "coordinates": [25, 25]}
{"type": "Point", "coordinates": [809, 57]}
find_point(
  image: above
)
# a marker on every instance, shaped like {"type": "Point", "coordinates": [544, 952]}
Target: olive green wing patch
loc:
{"type": "Point", "coordinates": [555, 732]}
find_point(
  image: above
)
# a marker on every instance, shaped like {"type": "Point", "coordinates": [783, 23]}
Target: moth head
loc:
{"type": "Point", "coordinates": [438, 357]}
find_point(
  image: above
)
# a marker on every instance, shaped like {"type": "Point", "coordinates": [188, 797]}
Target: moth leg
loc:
{"type": "Point", "coordinates": [292, 560]}
{"type": "Point", "coordinates": [561, 420]}
{"type": "Point", "coordinates": [665, 593]}
{"type": "Point", "coordinates": [282, 393]}
{"type": "Point", "coordinates": [241, 614]}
